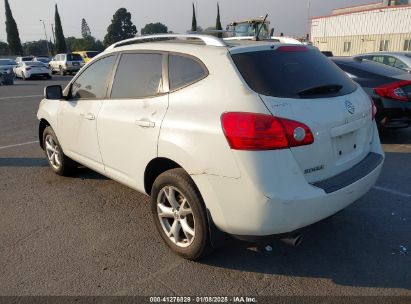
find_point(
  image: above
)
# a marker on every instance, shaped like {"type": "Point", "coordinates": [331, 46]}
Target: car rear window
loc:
{"type": "Point", "coordinates": [92, 54]}
{"type": "Point", "coordinates": [285, 74]}
{"type": "Point", "coordinates": [184, 70]}
{"type": "Point", "coordinates": [74, 57]}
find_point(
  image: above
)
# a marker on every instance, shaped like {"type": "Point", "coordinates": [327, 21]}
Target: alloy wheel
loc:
{"type": "Point", "coordinates": [176, 217]}
{"type": "Point", "coordinates": [53, 152]}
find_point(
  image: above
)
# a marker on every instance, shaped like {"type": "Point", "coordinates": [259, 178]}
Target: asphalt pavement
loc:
{"type": "Point", "coordinates": [88, 235]}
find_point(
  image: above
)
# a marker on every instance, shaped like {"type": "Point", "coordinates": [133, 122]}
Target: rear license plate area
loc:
{"type": "Point", "coordinates": [345, 145]}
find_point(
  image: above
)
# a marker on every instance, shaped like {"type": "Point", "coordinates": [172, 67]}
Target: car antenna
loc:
{"type": "Point", "coordinates": [257, 37]}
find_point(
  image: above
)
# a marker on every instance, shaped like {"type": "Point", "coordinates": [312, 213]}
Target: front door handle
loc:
{"type": "Point", "coordinates": [89, 116]}
{"type": "Point", "coordinates": [145, 123]}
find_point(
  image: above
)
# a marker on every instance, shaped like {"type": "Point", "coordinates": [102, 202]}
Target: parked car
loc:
{"type": "Point", "coordinates": [327, 53]}
{"type": "Point", "coordinates": [32, 69]}
{"type": "Point", "coordinates": [66, 63]}
{"type": "Point", "coordinates": [7, 66]}
{"type": "Point", "coordinates": [24, 58]}
{"type": "Point", "coordinates": [401, 60]}
{"type": "Point", "coordinates": [7, 71]}
{"type": "Point", "coordinates": [389, 87]}
{"type": "Point", "coordinates": [87, 55]}
{"type": "Point", "coordinates": [258, 140]}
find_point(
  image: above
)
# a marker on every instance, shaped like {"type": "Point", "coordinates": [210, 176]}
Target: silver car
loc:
{"type": "Point", "coordinates": [401, 60]}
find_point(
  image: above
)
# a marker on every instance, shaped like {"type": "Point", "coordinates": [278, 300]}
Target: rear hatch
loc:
{"type": "Point", "coordinates": [301, 84]}
{"type": "Point", "coordinates": [74, 60]}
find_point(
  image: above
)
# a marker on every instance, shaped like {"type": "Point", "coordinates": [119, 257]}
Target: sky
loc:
{"type": "Point", "coordinates": [287, 16]}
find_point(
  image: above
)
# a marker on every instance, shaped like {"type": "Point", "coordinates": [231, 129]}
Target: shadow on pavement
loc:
{"type": "Point", "coordinates": [395, 136]}
{"type": "Point", "coordinates": [82, 172]}
{"type": "Point", "coordinates": [23, 162]}
{"type": "Point", "coordinates": [339, 249]}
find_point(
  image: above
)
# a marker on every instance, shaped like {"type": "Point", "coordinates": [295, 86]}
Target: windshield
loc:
{"type": "Point", "coordinates": [251, 29]}
{"type": "Point", "coordinates": [292, 73]}
{"type": "Point", "coordinates": [44, 60]}
{"type": "Point", "coordinates": [74, 57]}
{"type": "Point", "coordinates": [92, 54]}
{"type": "Point", "coordinates": [7, 62]}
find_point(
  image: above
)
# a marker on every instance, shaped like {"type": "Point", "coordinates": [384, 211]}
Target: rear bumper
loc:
{"type": "Point", "coordinates": [72, 69]}
{"type": "Point", "coordinates": [270, 203]}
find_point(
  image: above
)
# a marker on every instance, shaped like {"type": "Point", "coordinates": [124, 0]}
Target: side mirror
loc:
{"type": "Point", "coordinates": [53, 92]}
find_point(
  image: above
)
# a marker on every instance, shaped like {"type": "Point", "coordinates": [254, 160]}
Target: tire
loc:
{"type": "Point", "coordinates": [189, 210]}
{"type": "Point", "coordinates": [59, 163]}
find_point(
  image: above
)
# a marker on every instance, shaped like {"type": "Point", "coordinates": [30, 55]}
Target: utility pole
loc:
{"type": "Point", "coordinates": [54, 36]}
{"type": "Point", "coordinates": [309, 21]}
{"type": "Point", "coordinates": [45, 34]}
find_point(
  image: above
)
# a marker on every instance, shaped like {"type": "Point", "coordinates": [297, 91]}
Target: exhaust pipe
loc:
{"type": "Point", "coordinates": [294, 240]}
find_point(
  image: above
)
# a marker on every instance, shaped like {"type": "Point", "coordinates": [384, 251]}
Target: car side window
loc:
{"type": "Point", "coordinates": [389, 60]}
{"type": "Point", "coordinates": [92, 83]}
{"type": "Point", "coordinates": [399, 64]}
{"type": "Point", "coordinates": [184, 70]}
{"type": "Point", "coordinates": [138, 75]}
{"type": "Point", "coordinates": [379, 59]}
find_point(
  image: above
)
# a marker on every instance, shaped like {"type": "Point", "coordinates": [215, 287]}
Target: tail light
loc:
{"type": "Point", "coordinates": [256, 132]}
{"type": "Point", "coordinates": [373, 109]}
{"type": "Point", "coordinates": [27, 68]}
{"type": "Point", "coordinates": [394, 90]}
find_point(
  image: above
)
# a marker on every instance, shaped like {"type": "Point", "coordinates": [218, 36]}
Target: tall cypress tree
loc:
{"type": "Point", "coordinates": [13, 37]}
{"type": "Point", "coordinates": [61, 46]}
{"type": "Point", "coordinates": [218, 26]}
{"type": "Point", "coordinates": [194, 21]}
{"type": "Point", "coordinates": [121, 27]}
{"type": "Point", "coordinates": [85, 29]}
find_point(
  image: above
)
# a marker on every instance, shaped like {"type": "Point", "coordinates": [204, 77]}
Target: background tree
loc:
{"type": "Point", "coordinates": [4, 48]}
{"type": "Point", "coordinates": [61, 46]}
{"type": "Point", "coordinates": [36, 48]}
{"type": "Point", "coordinates": [218, 26]}
{"type": "Point", "coordinates": [13, 37]}
{"type": "Point", "coordinates": [121, 27]}
{"type": "Point", "coordinates": [194, 21]}
{"type": "Point", "coordinates": [84, 44]}
{"type": "Point", "coordinates": [85, 29]}
{"type": "Point", "coordinates": [154, 28]}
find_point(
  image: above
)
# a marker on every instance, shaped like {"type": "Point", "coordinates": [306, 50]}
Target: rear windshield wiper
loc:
{"type": "Point", "coordinates": [323, 89]}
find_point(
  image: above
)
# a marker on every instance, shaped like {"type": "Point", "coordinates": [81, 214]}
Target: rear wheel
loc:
{"type": "Point", "coordinates": [58, 161]}
{"type": "Point", "coordinates": [179, 214]}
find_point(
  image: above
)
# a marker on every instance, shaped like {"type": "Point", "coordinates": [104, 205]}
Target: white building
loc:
{"type": "Point", "coordinates": [384, 26]}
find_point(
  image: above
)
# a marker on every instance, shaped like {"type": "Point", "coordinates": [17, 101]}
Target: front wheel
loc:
{"type": "Point", "coordinates": [179, 214]}
{"type": "Point", "coordinates": [58, 161]}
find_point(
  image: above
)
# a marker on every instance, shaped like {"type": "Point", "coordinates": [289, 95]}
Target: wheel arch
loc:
{"type": "Point", "coordinates": [156, 167]}
{"type": "Point", "coordinates": [42, 126]}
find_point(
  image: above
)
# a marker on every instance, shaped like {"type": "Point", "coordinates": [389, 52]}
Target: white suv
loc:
{"type": "Point", "coordinates": [66, 63]}
{"type": "Point", "coordinates": [252, 140]}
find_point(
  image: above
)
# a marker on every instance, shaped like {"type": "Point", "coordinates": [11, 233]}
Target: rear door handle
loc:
{"type": "Point", "coordinates": [89, 116]}
{"type": "Point", "coordinates": [145, 123]}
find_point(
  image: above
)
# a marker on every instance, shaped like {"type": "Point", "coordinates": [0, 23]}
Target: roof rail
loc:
{"type": "Point", "coordinates": [207, 39]}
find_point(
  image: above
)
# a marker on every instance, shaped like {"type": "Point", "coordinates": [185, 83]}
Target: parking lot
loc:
{"type": "Point", "coordinates": [88, 235]}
